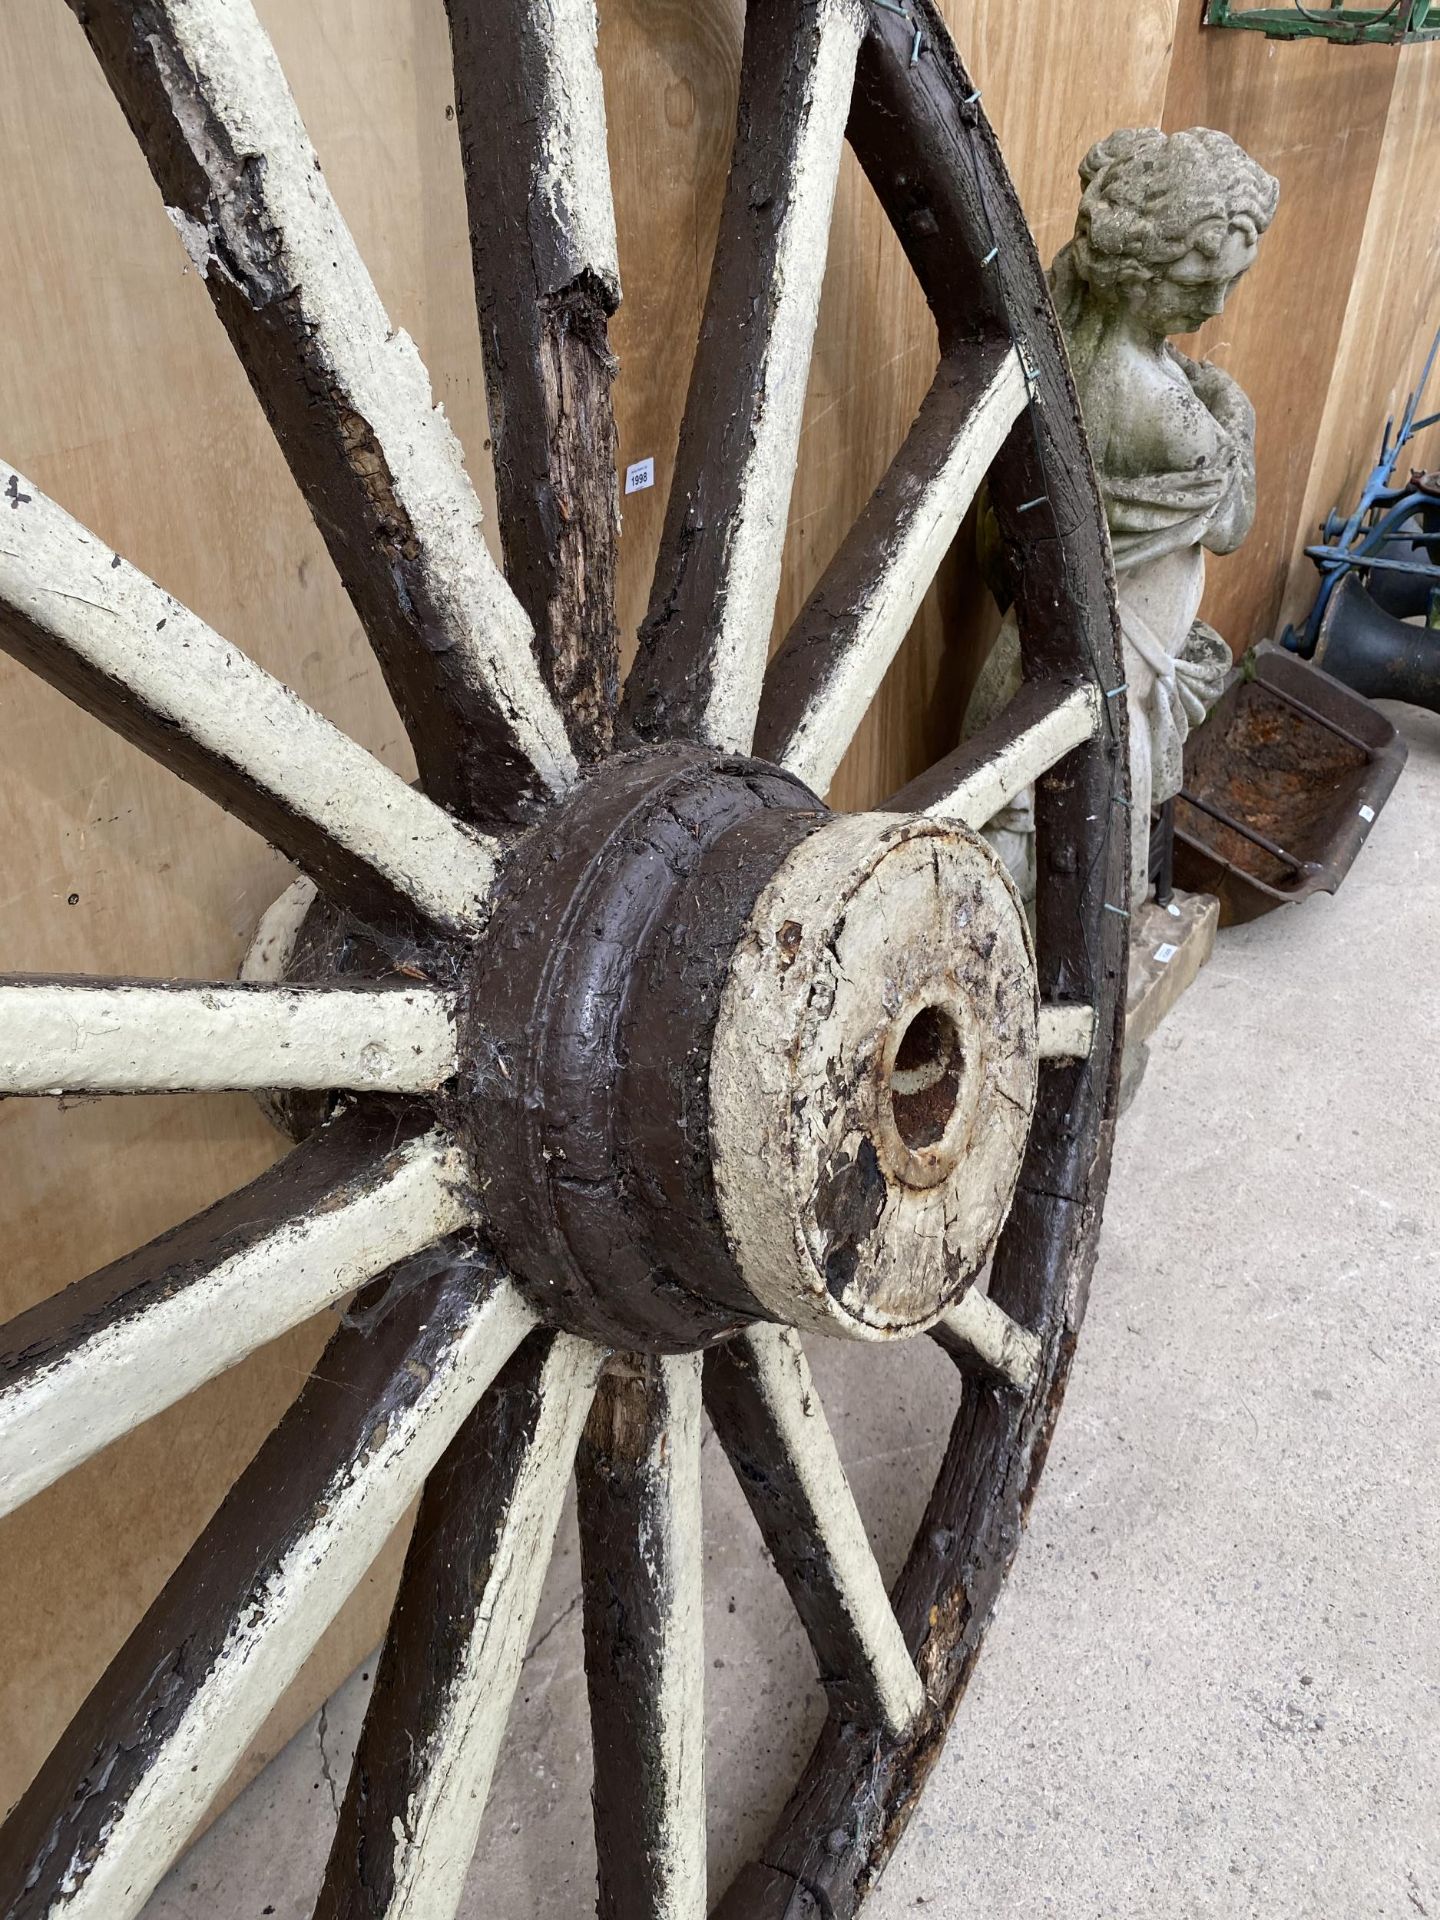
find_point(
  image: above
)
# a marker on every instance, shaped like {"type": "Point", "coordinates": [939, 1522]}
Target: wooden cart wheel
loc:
{"type": "Point", "coordinates": [614, 1057]}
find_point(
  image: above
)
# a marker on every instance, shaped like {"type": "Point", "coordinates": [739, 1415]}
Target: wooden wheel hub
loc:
{"type": "Point", "coordinates": [701, 976]}
{"type": "Point", "coordinates": [583, 1076]}
{"type": "Point", "coordinates": [874, 1074]}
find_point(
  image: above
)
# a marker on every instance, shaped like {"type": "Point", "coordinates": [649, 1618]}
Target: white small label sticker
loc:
{"type": "Point", "coordinates": [1173, 911]}
{"type": "Point", "coordinates": [1166, 953]}
{"type": "Point", "coordinates": [1367, 813]}
{"type": "Point", "coordinates": [640, 476]}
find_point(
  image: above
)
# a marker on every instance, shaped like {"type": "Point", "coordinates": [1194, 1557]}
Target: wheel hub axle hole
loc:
{"type": "Point", "coordinates": [925, 1080]}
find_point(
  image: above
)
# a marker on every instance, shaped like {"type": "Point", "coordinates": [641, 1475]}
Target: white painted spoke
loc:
{"type": "Point", "coordinates": [113, 1350]}
{"type": "Point", "coordinates": [1066, 1032]}
{"type": "Point", "coordinates": [193, 1685]}
{"type": "Point", "coordinates": [993, 777]}
{"type": "Point", "coordinates": [643, 1557]}
{"type": "Point", "coordinates": [268, 957]}
{"type": "Point", "coordinates": [750, 583]}
{"type": "Point", "coordinates": [706, 636]}
{"type": "Point", "coordinates": [978, 1329]}
{"type": "Point", "coordinates": [121, 647]}
{"type": "Point", "coordinates": [467, 1603]}
{"type": "Point", "coordinates": [127, 1036]}
{"type": "Point", "coordinates": [820, 686]}
{"type": "Point", "coordinates": [767, 1412]}
{"type": "Point", "coordinates": [346, 391]}
{"type": "Point", "coordinates": [547, 280]}
{"type": "Point", "coordinates": [571, 183]}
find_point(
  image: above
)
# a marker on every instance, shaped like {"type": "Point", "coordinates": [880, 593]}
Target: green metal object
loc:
{"type": "Point", "coordinates": [1401, 23]}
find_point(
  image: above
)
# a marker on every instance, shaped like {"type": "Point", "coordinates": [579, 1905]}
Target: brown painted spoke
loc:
{"type": "Point", "coordinates": [1046, 720]}
{"type": "Point", "coordinates": [114, 1349]}
{"type": "Point", "coordinates": [535, 167]}
{"type": "Point", "coordinates": [133, 1774]}
{"type": "Point", "coordinates": [346, 393]}
{"type": "Point", "coordinates": [472, 1580]}
{"type": "Point", "coordinates": [986, 1341]}
{"type": "Point", "coordinates": [642, 1553]}
{"type": "Point", "coordinates": [81, 1035]}
{"type": "Point", "coordinates": [763, 1403]}
{"type": "Point", "coordinates": [707, 633]}
{"type": "Point", "coordinates": [820, 685]}
{"type": "Point", "coordinates": [122, 648]}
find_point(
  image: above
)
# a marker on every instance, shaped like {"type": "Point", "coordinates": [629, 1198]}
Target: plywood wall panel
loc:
{"type": "Point", "coordinates": [1054, 83]}
{"type": "Point", "coordinates": [1391, 316]}
{"type": "Point", "coordinates": [1313, 115]}
{"type": "Point", "coordinates": [672, 78]}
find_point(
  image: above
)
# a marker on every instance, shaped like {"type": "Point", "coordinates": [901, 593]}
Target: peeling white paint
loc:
{"type": "Point", "coordinates": [574, 177]}
{"type": "Point", "coordinates": [231, 73]}
{"type": "Point", "coordinates": [783, 1381]}
{"type": "Point", "coordinates": [1066, 1032]}
{"type": "Point", "coordinates": [121, 1036]}
{"type": "Point", "coordinates": [436, 1840]}
{"type": "Point", "coordinates": [882, 618]}
{"type": "Point", "coordinates": [1012, 1350]}
{"type": "Point", "coordinates": [677, 1884]}
{"type": "Point", "coordinates": [750, 582]}
{"type": "Point", "coordinates": [867, 923]}
{"type": "Point", "coordinates": [55, 1414]}
{"type": "Point", "coordinates": [290, 1607]}
{"type": "Point", "coordinates": [70, 585]}
{"type": "Point", "coordinates": [194, 237]}
{"type": "Point", "coordinates": [1020, 762]}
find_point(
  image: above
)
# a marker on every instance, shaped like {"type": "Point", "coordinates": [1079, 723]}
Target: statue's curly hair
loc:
{"type": "Point", "coordinates": [1150, 197]}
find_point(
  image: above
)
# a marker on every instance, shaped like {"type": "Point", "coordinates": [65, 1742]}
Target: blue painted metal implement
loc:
{"type": "Point", "coordinates": [1391, 540]}
{"type": "Point", "coordinates": [1400, 22]}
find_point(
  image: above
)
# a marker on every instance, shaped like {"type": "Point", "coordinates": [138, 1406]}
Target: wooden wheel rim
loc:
{"type": "Point", "coordinates": [449, 1376]}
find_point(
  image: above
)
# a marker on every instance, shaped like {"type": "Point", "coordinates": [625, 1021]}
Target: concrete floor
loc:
{"type": "Point", "coordinates": [1213, 1688]}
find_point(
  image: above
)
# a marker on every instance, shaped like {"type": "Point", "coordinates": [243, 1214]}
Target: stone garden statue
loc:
{"type": "Point", "coordinates": [1168, 223]}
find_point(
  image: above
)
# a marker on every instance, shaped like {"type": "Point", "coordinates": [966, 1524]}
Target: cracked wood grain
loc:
{"type": "Point", "coordinates": [531, 115]}
{"type": "Point", "coordinates": [642, 1554]}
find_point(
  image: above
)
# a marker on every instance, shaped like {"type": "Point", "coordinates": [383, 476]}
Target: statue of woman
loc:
{"type": "Point", "coordinates": [1168, 224]}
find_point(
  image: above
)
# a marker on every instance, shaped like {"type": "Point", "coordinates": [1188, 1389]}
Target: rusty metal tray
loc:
{"type": "Point", "coordinates": [1282, 784]}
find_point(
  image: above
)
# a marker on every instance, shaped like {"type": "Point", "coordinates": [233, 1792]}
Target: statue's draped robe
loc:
{"type": "Point", "coordinates": [1174, 666]}
{"type": "Point", "coordinates": [1173, 672]}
